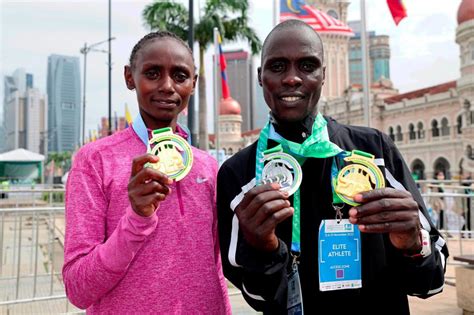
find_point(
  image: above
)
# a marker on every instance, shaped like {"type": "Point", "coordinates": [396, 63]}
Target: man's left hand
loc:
{"type": "Point", "coordinates": [392, 211]}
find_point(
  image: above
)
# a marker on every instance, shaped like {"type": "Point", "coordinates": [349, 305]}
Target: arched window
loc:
{"type": "Point", "coordinates": [442, 165]}
{"type": "Point", "coordinates": [230, 151]}
{"type": "Point", "coordinates": [420, 131]}
{"type": "Point", "coordinates": [444, 127]}
{"type": "Point", "coordinates": [390, 133]}
{"type": "Point", "coordinates": [459, 124]}
{"type": "Point", "coordinates": [225, 151]}
{"type": "Point", "coordinates": [399, 135]}
{"type": "Point", "coordinates": [469, 153]}
{"type": "Point", "coordinates": [411, 132]}
{"type": "Point", "coordinates": [434, 128]}
{"type": "Point", "coordinates": [418, 169]}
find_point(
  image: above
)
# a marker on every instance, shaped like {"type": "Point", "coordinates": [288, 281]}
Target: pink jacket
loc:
{"type": "Point", "coordinates": [119, 262]}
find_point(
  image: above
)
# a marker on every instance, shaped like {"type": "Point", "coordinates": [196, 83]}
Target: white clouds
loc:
{"type": "Point", "coordinates": [423, 47]}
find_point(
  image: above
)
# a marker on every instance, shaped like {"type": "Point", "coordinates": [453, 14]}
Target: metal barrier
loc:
{"type": "Point", "coordinates": [31, 254]}
{"type": "Point", "coordinates": [31, 243]}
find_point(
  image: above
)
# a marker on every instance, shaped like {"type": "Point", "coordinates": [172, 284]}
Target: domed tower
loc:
{"type": "Point", "coordinates": [465, 40]}
{"type": "Point", "coordinates": [465, 83]}
{"type": "Point", "coordinates": [230, 125]}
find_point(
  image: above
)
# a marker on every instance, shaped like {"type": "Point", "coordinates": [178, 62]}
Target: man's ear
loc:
{"type": "Point", "coordinates": [324, 75]}
{"type": "Point", "coordinates": [259, 75]}
{"type": "Point", "coordinates": [127, 74]}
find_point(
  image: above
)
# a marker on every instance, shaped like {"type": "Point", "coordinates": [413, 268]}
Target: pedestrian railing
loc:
{"type": "Point", "coordinates": [32, 237]}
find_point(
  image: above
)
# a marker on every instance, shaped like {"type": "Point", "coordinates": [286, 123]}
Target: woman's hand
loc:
{"type": "Point", "coordinates": [147, 187]}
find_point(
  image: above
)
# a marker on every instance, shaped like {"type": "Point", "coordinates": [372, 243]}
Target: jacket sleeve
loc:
{"type": "Point", "coordinates": [422, 277]}
{"type": "Point", "coordinates": [93, 262]}
{"type": "Point", "coordinates": [260, 276]}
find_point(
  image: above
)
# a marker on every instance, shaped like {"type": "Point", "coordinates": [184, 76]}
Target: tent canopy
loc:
{"type": "Point", "coordinates": [21, 166]}
{"type": "Point", "coordinates": [21, 155]}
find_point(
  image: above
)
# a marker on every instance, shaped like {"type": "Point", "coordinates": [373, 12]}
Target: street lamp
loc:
{"type": "Point", "coordinates": [85, 50]}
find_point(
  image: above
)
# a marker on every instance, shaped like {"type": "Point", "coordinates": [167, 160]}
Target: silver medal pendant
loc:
{"type": "Point", "coordinates": [284, 169]}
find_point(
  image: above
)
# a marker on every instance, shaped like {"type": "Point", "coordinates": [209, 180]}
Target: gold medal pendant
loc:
{"type": "Point", "coordinates": [359, 176]}
{"type": "Point", "coordinates": [176, 156]}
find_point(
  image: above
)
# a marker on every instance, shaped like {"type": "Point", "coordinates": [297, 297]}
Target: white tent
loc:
{"type": "Point", "coordinates": [21, 155]}
{"type": "Point", "coordinates": [21, 165]}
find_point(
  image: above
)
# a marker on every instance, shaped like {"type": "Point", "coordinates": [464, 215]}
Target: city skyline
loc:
{"type": "Point", "coordinates": [415, 63]}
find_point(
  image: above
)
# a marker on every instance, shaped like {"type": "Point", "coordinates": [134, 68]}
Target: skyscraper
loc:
{"type": "Point", "coordinates": [25, 109]}
{"type": "Point", "coordinates": [64, 104]}
{"type": "Point", "coordinates": [379, 56]}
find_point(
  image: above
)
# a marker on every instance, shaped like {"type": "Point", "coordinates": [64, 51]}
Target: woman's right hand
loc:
{"type": "Point", "coordinates": [147, 187]}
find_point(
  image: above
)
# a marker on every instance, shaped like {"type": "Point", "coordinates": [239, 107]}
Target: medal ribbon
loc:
{"type": "Point", "coordinates": [317, 145]}
{"type": "Point", "coordinates": [140, 129]}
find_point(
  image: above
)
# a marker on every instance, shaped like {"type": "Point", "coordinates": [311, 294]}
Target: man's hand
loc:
{"type": "Point", "coordinates": [261, 210]}
{"type": "Point", "coordinates": [147, 187]}
{"type": "Point", "coordinates": [392, 211]}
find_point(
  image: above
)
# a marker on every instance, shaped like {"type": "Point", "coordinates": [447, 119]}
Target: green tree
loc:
{"type": "Point", "coordinates": [230, 18]}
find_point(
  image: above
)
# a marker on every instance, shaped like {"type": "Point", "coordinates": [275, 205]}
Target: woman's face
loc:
{"type": "Point", "coordinates": [164, 78]}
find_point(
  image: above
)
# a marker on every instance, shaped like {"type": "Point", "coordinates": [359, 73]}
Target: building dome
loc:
{"type": "Point", "coordinates": [466, 11]}
{"type": "Point", "coordinates": [229, 106]}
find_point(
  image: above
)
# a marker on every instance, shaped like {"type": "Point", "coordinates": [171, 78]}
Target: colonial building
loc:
{"type": "Point", "coordinates": [433, 127]}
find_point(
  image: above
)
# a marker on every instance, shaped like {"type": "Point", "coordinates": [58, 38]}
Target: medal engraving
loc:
{"type": "Point", "coordinates": [362, 175]}
{"type": "Point", "coordinates": [282, 168]}
{"type": "Point", "coordinates": [175, 154]}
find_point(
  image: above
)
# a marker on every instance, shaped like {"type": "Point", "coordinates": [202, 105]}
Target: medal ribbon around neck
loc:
{"type": "Point", "coordinates": [175, 153]}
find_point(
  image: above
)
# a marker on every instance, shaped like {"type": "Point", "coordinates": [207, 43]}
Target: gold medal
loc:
{"type": "Point", "coordinates": [359, 176]}
{"type": "Point", "coordinates": [174, 152]}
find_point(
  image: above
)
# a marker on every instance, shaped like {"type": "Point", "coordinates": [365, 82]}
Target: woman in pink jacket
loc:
{"type": "Point", "coordinates": [137, 241]}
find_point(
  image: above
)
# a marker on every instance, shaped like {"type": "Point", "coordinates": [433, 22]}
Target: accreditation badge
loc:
{"type": "Point", "coordinates": [362, 174]}
{"type": "Point", "coordinates": [339, 255]}
{"type": "Point", "coordinates": [284, 169]}
{"type": "Point", "coordinates": [176, 156]}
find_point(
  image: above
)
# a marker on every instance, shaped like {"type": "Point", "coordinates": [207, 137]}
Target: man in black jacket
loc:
{"type": "Point", "coordinates": [401, 251]}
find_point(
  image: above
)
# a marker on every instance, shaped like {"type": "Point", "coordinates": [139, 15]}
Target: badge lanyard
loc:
{"type": "Point", "coordinates": [317, 145]}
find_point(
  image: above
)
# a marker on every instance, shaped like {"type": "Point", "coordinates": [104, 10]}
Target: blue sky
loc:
{"type": "Point", "coordinates": [422, 46]}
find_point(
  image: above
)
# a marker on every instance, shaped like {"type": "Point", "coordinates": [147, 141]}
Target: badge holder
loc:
{"type": "Point", "coordinates": [362, 174]}
{"type": "Point", "coordinates": [174, 152]}
{"type": "Point", "coordinates": [282, 168]}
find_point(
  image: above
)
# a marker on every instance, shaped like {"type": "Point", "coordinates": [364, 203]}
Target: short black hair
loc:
{"type": "Point", "coordinates": [289, 24]}
{"type": "Point", "coordinates": [152, 36]}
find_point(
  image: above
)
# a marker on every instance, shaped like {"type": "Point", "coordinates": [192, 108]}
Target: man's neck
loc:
{"type": "Point", "coordinates": [296, 131]}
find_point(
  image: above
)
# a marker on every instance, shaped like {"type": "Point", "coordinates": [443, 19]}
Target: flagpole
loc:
{"type": "Point", "coordinates": [365, 64]}
{"type": "Point", "coordinates": [275, 12]}
{"type": "Point", "coordinates": [216, 94]}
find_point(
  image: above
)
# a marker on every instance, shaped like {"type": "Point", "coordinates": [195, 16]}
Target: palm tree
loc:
{"type": "Point", "coordinates": [229, 16]}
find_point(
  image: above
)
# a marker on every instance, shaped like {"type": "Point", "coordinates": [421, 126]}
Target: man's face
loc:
{"type": "Point", "coordinates": [292, 73]}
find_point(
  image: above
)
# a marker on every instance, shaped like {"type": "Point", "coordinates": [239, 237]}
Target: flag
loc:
{"type": "Point", "coordinates": [128, 117]}
{"type": "Point", "coordinates": [398, 10]}
{"type": "Point", "coordinates": [318, 20]}
{"type": "Point", "coordinates": [225, 86]}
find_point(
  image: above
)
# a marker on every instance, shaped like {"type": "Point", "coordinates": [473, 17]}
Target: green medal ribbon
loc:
{"type": "Point", "coordinates": [317, 145]}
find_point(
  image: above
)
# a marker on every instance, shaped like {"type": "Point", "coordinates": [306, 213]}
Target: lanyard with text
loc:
{"type": "Point", "coordinates": [317, 145]}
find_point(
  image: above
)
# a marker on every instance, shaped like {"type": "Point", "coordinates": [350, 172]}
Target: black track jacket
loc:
{"type": "Point", "coordinates": [387, 275]}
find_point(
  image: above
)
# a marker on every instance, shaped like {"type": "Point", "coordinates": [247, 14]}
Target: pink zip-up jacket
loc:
{"type": "Point", "coordinates": [119, 262]}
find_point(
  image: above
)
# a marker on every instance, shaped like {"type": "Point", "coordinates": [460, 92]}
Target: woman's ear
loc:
{"type": "Point", "coordinates": [127, 74]}
{"type": "Point", "coordinates": [194, 83]}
